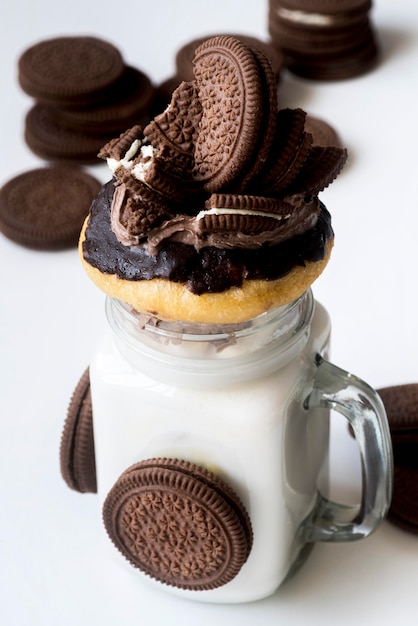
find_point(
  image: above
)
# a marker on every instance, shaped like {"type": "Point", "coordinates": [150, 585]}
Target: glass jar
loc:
{"type": "Point", "coordinates": [240, 414]}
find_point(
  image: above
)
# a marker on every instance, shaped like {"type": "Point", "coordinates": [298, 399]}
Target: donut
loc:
{"type": "Point", "coordinates": [170, 300]}
{"type": "Point", "coordinates": [212, 213]}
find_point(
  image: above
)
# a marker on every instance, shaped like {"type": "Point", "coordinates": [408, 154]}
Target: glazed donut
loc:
{"type": "Point", "coordinates": [169, 300]}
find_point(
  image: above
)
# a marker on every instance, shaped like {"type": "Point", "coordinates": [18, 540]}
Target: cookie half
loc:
{"type": "Point", "coordinates": [179, 523]}
{"type": "Point", "coordinates": [45, 208]}
{"type": "Point", "coordinates": [77, 457]}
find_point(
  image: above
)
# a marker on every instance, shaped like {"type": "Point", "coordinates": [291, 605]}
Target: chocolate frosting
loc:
{"type": "Point", "coordinates": [211, 269]}
{"type": "Point", "coordinates": [301, 216]}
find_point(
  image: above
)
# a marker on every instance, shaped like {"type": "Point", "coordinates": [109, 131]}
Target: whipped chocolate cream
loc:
{"type": "Point", "coordinates": [212, 269]}
{"type": "Point", "coordinates": [200, 230]}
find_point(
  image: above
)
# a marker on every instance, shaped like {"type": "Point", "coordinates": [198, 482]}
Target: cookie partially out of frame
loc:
{"type": "Point", "coordinates": [401, 404]}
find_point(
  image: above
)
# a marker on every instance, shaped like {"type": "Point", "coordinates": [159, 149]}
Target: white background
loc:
{"type": "Point", "coordinates": [52, 569]}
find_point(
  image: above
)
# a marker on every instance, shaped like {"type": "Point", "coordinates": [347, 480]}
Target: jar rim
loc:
{"type": "Point", "coordinates": [197, 331]}
{"type": "Point", "coordinates": [262, 346]}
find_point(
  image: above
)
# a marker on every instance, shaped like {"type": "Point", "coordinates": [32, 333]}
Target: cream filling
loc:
{"type": "Point", "coordinates": [215, 211]}
{"type": "Point", "coordinates": [140, 169]}
{"type": "Point", "coordinates": [146, 154]}
{"type": "Point", "coordinates": [303, 17]}
{"type": "Point", "coordinates": [126, 161]}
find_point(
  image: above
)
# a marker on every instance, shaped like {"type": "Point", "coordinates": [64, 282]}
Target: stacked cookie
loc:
{"type": "Point", "coordinates": [401, 404]}
{"type": "Point", "coordinates": [85, 94]}
{"type": "Point", "coordinates": [323, 39]}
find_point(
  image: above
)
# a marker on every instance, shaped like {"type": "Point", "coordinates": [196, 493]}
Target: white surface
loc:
{"type": "Point", "coordinates": [52, 570]}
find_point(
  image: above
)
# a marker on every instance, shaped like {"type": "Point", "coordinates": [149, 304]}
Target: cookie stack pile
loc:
{"type": "Point", "coordinates": [85, 94]}
{"type": "Point", "coordinates": [323, 39]}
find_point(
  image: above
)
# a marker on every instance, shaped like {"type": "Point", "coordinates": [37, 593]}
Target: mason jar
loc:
{"type": "Point", "coordinates": [212, 448]}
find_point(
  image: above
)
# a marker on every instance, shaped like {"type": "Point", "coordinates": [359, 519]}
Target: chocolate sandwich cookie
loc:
{"type": "Point", "coordinates": [129, 103]}
{"type": "Point", "coordinates": [45, 208]}
{"type": "Point", "coordinates": [232, 94]}
{"type": "Point", "coordinates": [70, 71]}
{"type": "Point", "coordinates": [401, 403]}
{"type": "Point", "coordinates": [49, 139]}
{"type": "Point", "coordinates": [77, 459]}
{"type": "Point", "coordinates": [266, 133]}
{"type": "Point", "coordinates": [290, 150]}
{"type": "Point", "coordinates": [172, 135]}
{"type": "Point", "coordinates": [156, 158]}
{"type": "Point", "coordinates": [301, 162]}
{"type": "Point", "coordinates": [247, 215]}
{"type": "Point", "coordinates": [323, 166]}
{"type": "Point", "coordinates": [179, 523]}
{"type": "Point", "coordinates": [174, 132]}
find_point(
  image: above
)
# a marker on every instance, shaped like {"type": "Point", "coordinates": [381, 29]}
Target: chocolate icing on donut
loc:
{"type": "Point", "coordinates": [209, 270]}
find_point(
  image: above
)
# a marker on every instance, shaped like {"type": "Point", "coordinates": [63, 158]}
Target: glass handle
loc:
{"type": "Point", "coordinates": [335, 389]}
